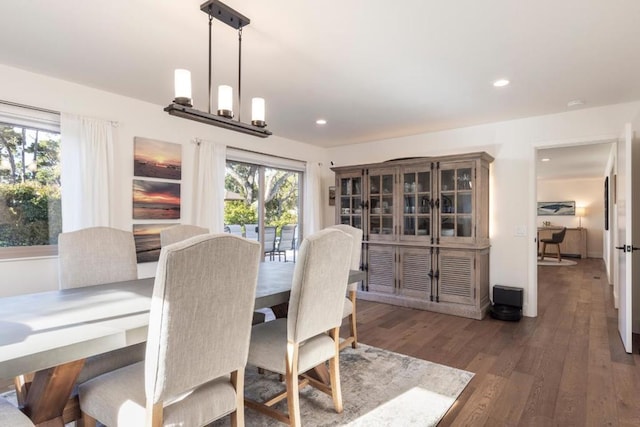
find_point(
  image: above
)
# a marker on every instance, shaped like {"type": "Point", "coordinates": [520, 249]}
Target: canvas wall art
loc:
{"type": "Point", "coordinates": [556, 208]}
{"type": "Point", "coordinates": [147, 237]}
{"type": "Point", "coordinates": [156, 200]}
{"type": "Point", "coordinates": [157, 159]}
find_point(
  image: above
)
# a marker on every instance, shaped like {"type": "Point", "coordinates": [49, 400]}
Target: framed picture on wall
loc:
{"type": "Point", "coordinates": [557, 208]}
{"type": "Point", "coordinates": [156, 200]}
{"type": "Point", "coordinates": [157, 159]}
{"type": "Point", "coordinates": [147, 237]}
{"type": "Point", "coordinates": [606, 203]}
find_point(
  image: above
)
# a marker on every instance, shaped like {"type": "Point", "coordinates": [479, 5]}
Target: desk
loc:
{"type": "Point", "coordinates": [43, 332]}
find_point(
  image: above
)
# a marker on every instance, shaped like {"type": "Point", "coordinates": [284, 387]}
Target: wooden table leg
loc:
{"type": "Point", "coordinates": [49, 393]}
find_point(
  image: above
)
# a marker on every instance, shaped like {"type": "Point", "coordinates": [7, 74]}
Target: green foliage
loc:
{"type": "Point", "coordinates": [238, 212]}
{"type": "Point", "coordinates": [30, 214]}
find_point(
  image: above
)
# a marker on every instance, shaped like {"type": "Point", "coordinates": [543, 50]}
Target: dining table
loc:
{"type": "Point", "coordinates": [51, 333]}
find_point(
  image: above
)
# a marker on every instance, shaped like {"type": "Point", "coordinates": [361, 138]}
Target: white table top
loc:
{"type": "Point", "coordinates": [46, 329]}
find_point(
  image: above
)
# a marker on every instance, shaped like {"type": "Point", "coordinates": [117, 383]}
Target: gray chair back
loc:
{"type": "Point", "coordinates": [251, 231]}
{"type": "Point", "coordinates": [319, 284]}
{"type": "Point", "coordinates": [201, 312]}
{"type": "Point", "coordinates": [235, 229]}
{"type": "Point", "coordinates": [269, 238]}
{"type": "Point", "coordinates": [559, 236]}
{"type": "Point", "coordinates": [179, 233]}
{"type": "Point", "coordinates": [96, 255]}
{"type": "Point", "coordinates": [287, 237]}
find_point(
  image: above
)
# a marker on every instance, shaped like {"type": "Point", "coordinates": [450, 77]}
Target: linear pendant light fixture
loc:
{"type": "Point", "coordinates": [182, 107]}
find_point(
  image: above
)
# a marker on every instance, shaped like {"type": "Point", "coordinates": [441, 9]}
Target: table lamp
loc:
{"type": "Point", "coordinates": [580, 212]}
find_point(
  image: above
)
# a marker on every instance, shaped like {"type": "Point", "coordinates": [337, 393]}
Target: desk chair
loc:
{"type": "Point", "coordinates": [293, 345]}
{"type": "Point", "coordinates": [556, 239]}
{"type": "Point", "coordinates": [179, 233]}
{"type": "Point", "coordinates": [350, 301]}
{"type": "Point", "coordinates": [12, 416]}
{"type": "Point", "coordinates": [197, 344]}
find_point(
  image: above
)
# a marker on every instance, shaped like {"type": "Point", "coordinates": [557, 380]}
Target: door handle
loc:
{"type": "Point", "coordinates": [633, 248]}
{"type": "Point", "coordinates": [622, 248]}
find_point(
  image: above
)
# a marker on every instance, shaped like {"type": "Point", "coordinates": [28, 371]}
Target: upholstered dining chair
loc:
{"type": "Point", "coordinates": [12, 416]}
{"type": "Point", "coordinates": [180, 232]}
{"type": "Point", "coordinates": [93, 256]}
{"type": "Point", "coordinates": [556, 239]}
{"type": "Point", "coordinates": [291, 346]}
{"type": "Point", "coordinates": [197, 344]}
{"type": "Point", "coordinates": [352, 288]}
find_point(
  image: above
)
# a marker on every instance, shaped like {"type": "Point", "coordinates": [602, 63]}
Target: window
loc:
{"type": "Point", "coordinates": [263, 191]}
{"type": "Point", "coordinates": [30, 209]}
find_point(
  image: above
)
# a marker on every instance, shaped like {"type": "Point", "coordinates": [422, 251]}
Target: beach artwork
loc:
{"type": "Point", "coordinates": [156, 200]}
{"type": "Point", "coordinates": [157, 159]}
{"type": "Point", "coordinates": [556, 208]}
{"type": "Point", "coordinates": [147, 237]}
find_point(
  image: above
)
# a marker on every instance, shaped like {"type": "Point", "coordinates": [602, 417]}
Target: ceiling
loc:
{"type": "Point", "coordinates": [575, 162]}
{"type": "Point", "coordinates": [373, 69]}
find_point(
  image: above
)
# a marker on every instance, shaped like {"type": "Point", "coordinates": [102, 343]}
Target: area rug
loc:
{"type": "Point", "coordinates": [379, 388]}
{"type": "Point", "coordinates": [555, 263]}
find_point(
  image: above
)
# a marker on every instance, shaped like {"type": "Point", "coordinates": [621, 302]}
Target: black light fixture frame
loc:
{"type": "Point", "coordinates": [231, 17]}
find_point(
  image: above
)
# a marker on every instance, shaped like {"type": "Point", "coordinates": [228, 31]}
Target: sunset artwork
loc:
{"type": "Point", "coordinates": [156, 200]}
{"type": "Point", "coordinates": [147, 237]}
{"type": "Point", "coordinates": [157, 159]}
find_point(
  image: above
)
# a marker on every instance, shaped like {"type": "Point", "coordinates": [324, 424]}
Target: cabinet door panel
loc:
{"type": "Point", "coordinates": [382, 269]}
{"type": "Point", "coordinates": [456, 185]}
{"type": "Point", "coordinates": [415, 266]}
{"type": "Point", "coordinates": [416, 190]}
{"type": "Point", "coordinates": [456, 275]}
{"type": "Point", "coordinates": [382, 190]}
{"type": "Point", "coordinates": [349, 199]}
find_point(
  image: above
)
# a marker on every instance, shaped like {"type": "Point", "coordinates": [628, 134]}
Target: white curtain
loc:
{"type": "Point", "coordinates": [87, 171]}
{"type": "Point", "coordinates": [208, 186]}
{"type": "Point", "coordinates": [312, 199]}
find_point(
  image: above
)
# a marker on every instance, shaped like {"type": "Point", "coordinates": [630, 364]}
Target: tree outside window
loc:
{"type": "Point", "coordinates": [30, 210]}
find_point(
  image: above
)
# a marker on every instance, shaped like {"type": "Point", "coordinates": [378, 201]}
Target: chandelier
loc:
{"type": "Point", "coordinates": [224, 117]}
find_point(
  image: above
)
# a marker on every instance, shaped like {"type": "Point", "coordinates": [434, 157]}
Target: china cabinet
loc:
{"type": "Point", "coordinates": [426, 230]}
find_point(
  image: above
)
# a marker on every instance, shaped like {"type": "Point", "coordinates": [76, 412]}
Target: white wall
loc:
{"type": "Point", "coordinates": [588, 193]}
{"type": "Point", "coordinates": [135, 118]}
{"type": "Point", "coordinates": [513, 182]}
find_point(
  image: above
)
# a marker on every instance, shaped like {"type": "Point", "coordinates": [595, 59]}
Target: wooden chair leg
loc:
{"type": "Point", "coordinates": [352, 320]}
{"type": "Point", "coordinates": [544, 248]}
{"type": "Point", "coordinates": [559, 256]}
{"type": "Point", "coordinates": [291, 379]}
{"type": "Point", "coordinates": [88, 420]}
{"type": "Point", "coordinates": [334, 372]}
{"type": "Point", "coordinates": [237, 381]}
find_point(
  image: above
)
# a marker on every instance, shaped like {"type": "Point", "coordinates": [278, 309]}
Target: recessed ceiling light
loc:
{"type": "Point", "coordinates": [321, 122]}
{"type": "Point", "coordinates": [575, 103]}
{"type": "Point", "coordinates": [501, 83]}
{"type": "Point", "coordinates": [545, 159]}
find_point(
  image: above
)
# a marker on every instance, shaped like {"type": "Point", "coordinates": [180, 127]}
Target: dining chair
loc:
{"type": "Point", "coordinates": [93, 256]}
{"type": "Point", "coordinates": [352, 288]}
{"type": "Point", "coordinates": [556, 239]}
{"type": "Point", "coordinates": [197, 344]}
{"type": "Point", "coordinates": [270, 242]}
{"type": "Point", "coordinates": [180, 232]}
{"type": "Point", "coordinates": [287, 241]}
{"type": "Point", "coordinates": [12, 416]}
{"type": "Point", "coordinates": [292, 346]}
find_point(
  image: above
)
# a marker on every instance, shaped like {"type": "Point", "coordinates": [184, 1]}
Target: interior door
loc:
{"type": "Point", "coordinates": [624, 242]}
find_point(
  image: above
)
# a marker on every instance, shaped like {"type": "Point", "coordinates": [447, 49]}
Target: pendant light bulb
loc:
{"type": "Point", "coordinates": [225, 101]}
{"type": "Point", "coordinates": [182, 86]}
{"type": "Point", "coordinates": [258, 112]}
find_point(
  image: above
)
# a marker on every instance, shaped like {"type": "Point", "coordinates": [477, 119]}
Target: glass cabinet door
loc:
{"type": "Point", "coordinates": [456, 201]}
{"type": "Point", "coordinates": [416, 206]}
{"type": "Point", "coordinates": [350, 201]}
{"type": "Point", "coordinates": [380, 202]}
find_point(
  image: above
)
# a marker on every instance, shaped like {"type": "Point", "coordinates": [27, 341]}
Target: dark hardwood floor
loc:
{"type": "Point", "coordinates": [567, 367]}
